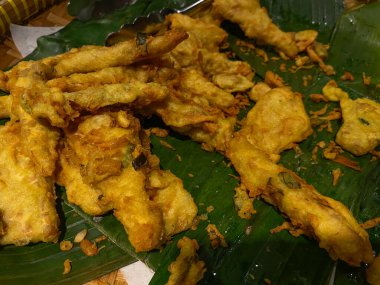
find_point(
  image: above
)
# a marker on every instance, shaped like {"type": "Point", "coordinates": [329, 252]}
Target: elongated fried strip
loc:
{"type": "Point", "coordinates": [255, 22]}
{"type": "Point", "coordinates": [318, 216]}
{"type": "Point", "coordinates": [194, 83]}
{"type": "Point", "coordinates": [123, 53]}
{"type": "Point", "coordinates": [141, 217]}
{"type": "Point", "coordinates": [27, 199]}
{"type": "Point", "coordinates": [141, 94]}
{"type": "Point", "coordinates": [110, 75]}
{"type": "Point", "coordinates": [59, 108]}
{"type": "Point", "coordinates": [177, 205]}
{"type": "Point", "coordinates": [5, 106]}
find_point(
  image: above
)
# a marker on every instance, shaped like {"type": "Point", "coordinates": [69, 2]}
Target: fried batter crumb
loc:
{"type": "Point", "coordinates": [80, 236]}
{"type": "Point", "coordinates": [216, 238]}
{"type": "Point", "coordinates": [336, 173]}
{"type": "Point", "coordinates": [318, 98]}
{"type": "Point", "coordinates": [190, 175]}
{"type": "Point", "coordinates": [273, 79]}
{"type": "Point", "coordinates": [267, 281]}
{"type": "Point", "coordinates": [210, 208]}
{"type": "Point", "coordinates": [187, 268]}
{"type": "Point", "coordinates": [347, 76]}
{"type": "Point", "coordinates": [333, 152]}
{"type": "Point", "coordinates": [65, 245]}
{"type": "Point", "coordinates": [66, 266]}
{"type": "Point", "coordinates": [248, 230]}
{"type": "Point", "coordinates": [167, 145]}
{"type": "Point", "coordinates": [100, 239]}
{"type": "Point", "coordinates": [366, 79]}
{"type": "Point", "coordinates": [371, 223]}
{"type": "Point", "coordinates": [89, 248]}
{"type": "Point", "coordinates": [243, 203]}
{"type": "Point", "coordinates": [179, 158]}
{"type": "Point", "coordinates": [287, 226]}
{"type": "Point", "coordinates": [162, 133]}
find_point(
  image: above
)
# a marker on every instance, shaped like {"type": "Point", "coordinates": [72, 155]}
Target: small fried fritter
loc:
{"type": "Point", "coordinates": [255, 22]}
{"type": "Point", "coordinates": [110, 75]}
{"type": "Point", "coordinates": [138, 93]}
{"type": "Point", "coordinates": [187, 269]}
{"type": "Point", "coordinates": [277, 121]}
{"type": "Point", "coordinates": [360, 132]}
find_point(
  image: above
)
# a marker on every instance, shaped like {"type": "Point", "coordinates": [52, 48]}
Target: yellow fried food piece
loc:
{"type": "Point", "coordinates": [187, 269]}
{"type": "Point", "coordinates": [254, 166]}
{"type": "Point", "coordinates": [255, 22]}
{"type": "Point", "coordinates": [101, 150]}
{"type": "Point", "coordinates": [277, 121]}
{"type": "Point", "coordinates": [59, 107]}
{"type": "Point", "coordinates": [90, 199]}
{"type": "Point", "coordinates": [231, 76]}
{"type": "Point", "coordinates": [194, 83]}
{"type": "Point", "coordinates": [27, 199]}
{"type": "Point", "coordinates": [123, 53]}
{"type": "Point", "coordinates": [360, 132]}
{"type": "Point", "coordinates": [318, 216]}
{"type": "Point", "coordinates": [208, 35]}
{"type": "Point", "coordinates": [201, 51]}
{"type": "Point", "coordinates": [106, 165]}
{"type": "Point", "coordinates": [141, 217]}
{"type": "Point", "coordinates": [3, 81]}
{"type": "Point", "coordinates": [5, 106]}
{"type": "Point", "coordinates": [110, 75]}
{"type": "Point", "coordinates": [373, 272]}
{"type": "Point", "coordinates": [177, 205]}
{"type": "Point", "coordinates": [138, 93]}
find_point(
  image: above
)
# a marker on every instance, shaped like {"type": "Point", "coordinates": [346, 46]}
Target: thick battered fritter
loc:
{"type": "Point", "coordinates": [360, 132]}
{"type": "Point", "coordinates": [319, 217]}
{"type": "Point", "coordinates": [106, 164]}
{"type": "Point", "coordinates": [27, 198]}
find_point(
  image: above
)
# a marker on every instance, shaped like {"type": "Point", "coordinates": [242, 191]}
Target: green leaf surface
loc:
{"type": "Point", "coordinates": [250, 257]}
{"type": "Point", "coordinates": [42, 263]}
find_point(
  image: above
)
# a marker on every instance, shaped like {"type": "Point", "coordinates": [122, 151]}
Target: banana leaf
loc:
{"type": "Point", "coordinates": [254, 254]}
